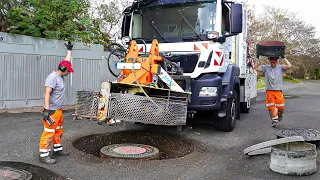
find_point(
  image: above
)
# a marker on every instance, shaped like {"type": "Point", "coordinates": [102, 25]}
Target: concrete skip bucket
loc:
{"type": "Point", "coordinates": [289, 155]}
{"type": "Point", "coordinates": [133, 103]}
{"type": "Point", "coordinates": [294, 158]}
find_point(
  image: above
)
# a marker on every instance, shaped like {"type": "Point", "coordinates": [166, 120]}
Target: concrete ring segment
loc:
{"type": "Point", "coordinates": [129, 151]}
{"type": "Point", "coordinates": [8, 173]}
{"type": "Point", "coordinates": [260, 151]}
{"type": "Point", "coordinates": [272, 143]}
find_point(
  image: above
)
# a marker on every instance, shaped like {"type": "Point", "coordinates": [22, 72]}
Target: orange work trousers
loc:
{"type": "Point", "coordinates": [52, 134]}
{"type": "Point", "coordinates": [274, 103]}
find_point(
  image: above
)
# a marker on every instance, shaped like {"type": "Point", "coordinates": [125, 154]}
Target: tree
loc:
{"type": "Point", "coordinates": [54, 19]}
{"type": "Point", "coordinates": [109, 14]}
{"type": "Point", "coordinates": [278, 24]}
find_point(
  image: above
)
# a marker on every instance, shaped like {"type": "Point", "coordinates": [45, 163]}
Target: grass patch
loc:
{"type": "Point", "coordinates": [292, 80]}
{"type": "Point", "coordinates": [261, 83]}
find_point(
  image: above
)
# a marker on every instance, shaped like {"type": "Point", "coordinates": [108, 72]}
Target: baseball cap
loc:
{"type": "Point", "coordinates": [67, 64]}
{"type": "Point", "coordinates": [273, 59]}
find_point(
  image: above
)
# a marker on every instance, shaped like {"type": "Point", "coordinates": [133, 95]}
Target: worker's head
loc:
{"type": "Point", "coordinates": [65, 68]}
{"type": "Point", "coordinates": [273, 61]}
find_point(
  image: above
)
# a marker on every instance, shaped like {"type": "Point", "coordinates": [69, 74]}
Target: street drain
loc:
{"type": "Point", "coordinates": [289, 96]}
{"type": "Point", "coordinates": [10, 170]}
{"type": "Point", "coordinates": [169, 145]}
{"type": "Point", "coordinates": [309, 135]}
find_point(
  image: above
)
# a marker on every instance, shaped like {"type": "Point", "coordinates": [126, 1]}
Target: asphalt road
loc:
{"type": "Point", "coordinates": [220, 158]}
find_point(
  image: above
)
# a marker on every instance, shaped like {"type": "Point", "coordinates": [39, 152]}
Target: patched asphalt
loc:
{"type": "Point", "coordinates": [220, 157]}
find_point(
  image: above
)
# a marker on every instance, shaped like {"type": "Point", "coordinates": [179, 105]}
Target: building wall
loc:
{"type": "Point", "coordinates": [26, 61]}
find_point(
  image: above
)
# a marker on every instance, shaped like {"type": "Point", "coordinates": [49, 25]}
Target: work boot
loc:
{"type": "Point", "coordinates": [61, 153]}
{"type": "Point", "coordinates": [274, 122]}
{"type": "Point", "coordinates": [47, 160]}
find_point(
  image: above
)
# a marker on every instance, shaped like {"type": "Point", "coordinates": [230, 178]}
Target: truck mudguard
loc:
{"type": "Point", "coordinates": [231, 76]}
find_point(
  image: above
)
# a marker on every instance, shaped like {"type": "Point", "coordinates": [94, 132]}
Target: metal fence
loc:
{"type": "Point", "coordinates": [26, 61]}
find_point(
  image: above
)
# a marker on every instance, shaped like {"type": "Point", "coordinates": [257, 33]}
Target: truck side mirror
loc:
{"type": "Point", "coordinates": [236, 18]}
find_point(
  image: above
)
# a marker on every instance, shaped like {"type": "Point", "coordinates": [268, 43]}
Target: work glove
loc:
{"type": "Point", "coordinates": [47, 116]}
{"type": "Point", "coordinates": [69, 46]}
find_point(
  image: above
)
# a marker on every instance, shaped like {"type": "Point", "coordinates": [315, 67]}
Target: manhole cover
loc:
{"type": "Point", "coordinates": [307, 134]}
{"type": "Point", "coordinates": [10, 170]}
{"type": "Point", "coordinates": [129, 151]}
{"type": "Point", "coordinates": [8, 173]}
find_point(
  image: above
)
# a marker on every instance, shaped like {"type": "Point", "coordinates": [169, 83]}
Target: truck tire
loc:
{"type": "Point", "coordinates": [243, 107]}
{"type": "Point", "coordinates": [228, 122]}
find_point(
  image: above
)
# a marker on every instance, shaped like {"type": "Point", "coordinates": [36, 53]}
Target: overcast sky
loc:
{"type": "Point", "coordinates": [306, 10]}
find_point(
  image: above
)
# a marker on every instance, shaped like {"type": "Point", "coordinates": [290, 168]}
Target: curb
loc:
{"type": "Point", "coordinates": [29, 110]}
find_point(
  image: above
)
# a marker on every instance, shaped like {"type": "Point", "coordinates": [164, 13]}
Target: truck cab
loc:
{"type": "Point", "coordinates": [207, 41]}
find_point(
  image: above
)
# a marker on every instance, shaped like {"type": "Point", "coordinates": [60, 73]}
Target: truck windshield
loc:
{"type": "Point", "coordinates": [181, 22]}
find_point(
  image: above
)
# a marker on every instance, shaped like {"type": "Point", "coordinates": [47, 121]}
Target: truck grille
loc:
{"type": "Point", "coordinates": [134, 108]}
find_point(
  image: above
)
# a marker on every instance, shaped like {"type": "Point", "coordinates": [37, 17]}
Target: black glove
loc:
{"type": "Point", "coordinates": [282, 57]}
{"type": "Point", "coordinates": [69, 46]}
{"type": "Point", "coordinates": [47, 116]}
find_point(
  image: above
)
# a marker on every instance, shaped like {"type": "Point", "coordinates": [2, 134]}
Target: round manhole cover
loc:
{"type": "Point", "coordinates": [8, 173]}
{"type": "Point", "coordinates": [307, 134]}
{"type": "Point", "coordinates": [129, 151]}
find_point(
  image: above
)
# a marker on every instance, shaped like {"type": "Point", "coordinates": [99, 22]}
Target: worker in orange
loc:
{"type": "Point", "coordinates": [54, 96]}
{"type": "Point", "coordinates": [274, 97]}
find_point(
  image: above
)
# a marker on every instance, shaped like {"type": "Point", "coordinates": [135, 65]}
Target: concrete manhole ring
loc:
{"type": "Point", "coordinates": [129, 151]}
{"type": "Point", "coordinates": [8, 173]}
{"type": "Point", "coordinates": [294, 158]}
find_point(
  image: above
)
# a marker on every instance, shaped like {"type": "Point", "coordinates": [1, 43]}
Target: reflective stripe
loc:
{"type": "Point", "coordinates": [44, 154]}
{"type": "Point", "coordinates": [270, 104]}
{"type": "Point", "coordinates": [279, 104]}
{"type": "Point", "coordinates": [57, 149]}
{"type": "Point", "coordinates": [49, 130]}
{"type": "Point", "coordinates": [275, 117]}
{"type": "Point", "coordinates": [59, 127]}
{"type": "Point", "coordinates": [44, 150]}
{"type": "Point", "coordinates": [56, 145]}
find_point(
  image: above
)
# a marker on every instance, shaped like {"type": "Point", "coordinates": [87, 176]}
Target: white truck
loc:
{"type": "Point", "coordinates": [207, 40]}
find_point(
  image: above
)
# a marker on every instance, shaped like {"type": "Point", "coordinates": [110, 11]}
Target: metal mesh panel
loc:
{"type": "Point", "coordinates": [87, 104]}
{"type": "Point", "coordinates": [134, 108]}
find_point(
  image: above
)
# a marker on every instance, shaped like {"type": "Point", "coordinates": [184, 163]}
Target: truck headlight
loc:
{"type": "Point", "coordinates": [208, 92]}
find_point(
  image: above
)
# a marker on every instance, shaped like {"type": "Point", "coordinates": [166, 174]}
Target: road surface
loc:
{"type": "Point", "coordinates": [221, 156]}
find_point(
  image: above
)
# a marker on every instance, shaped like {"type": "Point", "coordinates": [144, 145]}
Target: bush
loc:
{"type": "Point", "coordinates": [317, 73]}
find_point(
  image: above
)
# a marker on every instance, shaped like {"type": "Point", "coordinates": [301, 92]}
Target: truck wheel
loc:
{"type": "Point", "coordinates": [228, 122]}
{"type": "Point", "coordinates": [243, 107]}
